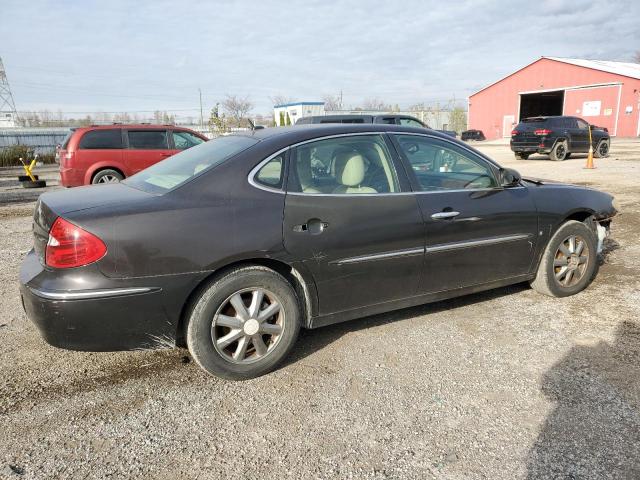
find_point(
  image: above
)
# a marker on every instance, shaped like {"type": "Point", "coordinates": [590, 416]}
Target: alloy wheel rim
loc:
{"type": "Point", "coordinates": [108, 179]}
{"type": "Point", "coordinates": [248, 325]}
{"type": "Point", "coordinates": [560, 151]}
{"type": "Point", "coordinates": [570, 261]}
{"type": "Point", "coordinates": [604, 148]}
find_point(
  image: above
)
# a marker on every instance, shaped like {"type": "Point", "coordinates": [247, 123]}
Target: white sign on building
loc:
{"type": "Point", "coordinates": [591, 109]}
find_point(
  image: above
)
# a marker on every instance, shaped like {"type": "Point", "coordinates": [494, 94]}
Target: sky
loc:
{"type": "Point", "coordinates": [115, 56]}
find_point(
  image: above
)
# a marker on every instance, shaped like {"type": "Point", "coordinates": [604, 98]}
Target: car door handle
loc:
{"type": "Point", "coordinates": [313, 226]}
{"type": "Point", "coordinates": [444, 215]}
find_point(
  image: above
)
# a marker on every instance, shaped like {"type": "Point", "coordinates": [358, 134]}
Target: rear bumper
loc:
{"type": "Point", "coordinates": [108, 324]}
{"type": "Point", "coordinates": [71, 177]}
{"type": "Point", "coordinates": [531, 147]}
{"type": "Point", "coordinates": [100, 319]}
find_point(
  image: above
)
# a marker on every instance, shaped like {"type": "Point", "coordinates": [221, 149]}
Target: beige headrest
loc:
{"type": "Point", "coordinates": [350, 169]}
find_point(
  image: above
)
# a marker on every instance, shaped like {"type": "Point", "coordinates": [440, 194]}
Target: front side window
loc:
{"type": "Point", "coordinates": [410, 122]}
{"type": "Point", "coordinates": [148, 139]}
{"type": "Point", "coordinates": [102, 140]}
{"type": "Point", "coordinates": [344, 165]}
{"type": "Point", "coordinates": [582, 125]}
{"type": "Point", "coordinates": [440, 165]}
{"type": "Point", "coordinates": [184, 140]}
{"type": "Point", "coordinates": [183, 166]}
{"type": "Point", "coordinates": [271, 174]}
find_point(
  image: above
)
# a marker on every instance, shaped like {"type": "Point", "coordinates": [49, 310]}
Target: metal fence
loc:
{"type": "Point", "coordinates": [42, 140]}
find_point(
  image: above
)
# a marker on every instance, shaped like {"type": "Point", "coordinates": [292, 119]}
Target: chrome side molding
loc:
{"type": "Point", "coordinates": [443, 247]}
{"type": "Point", "coordinates": [86, 294]}
{"type": "Point", "coordinates": [381, 256]}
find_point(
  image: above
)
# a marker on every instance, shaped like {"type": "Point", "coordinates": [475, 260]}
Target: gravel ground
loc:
{"type": "Point", "coordinates": [503, 384]}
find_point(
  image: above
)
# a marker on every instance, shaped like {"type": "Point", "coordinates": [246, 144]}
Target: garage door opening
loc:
{"type": "Point", "coordinates": [541, 104]}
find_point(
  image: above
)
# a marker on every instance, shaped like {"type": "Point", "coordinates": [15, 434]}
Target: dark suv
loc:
{"type": "Point", "coordinates": [390, 118]}
{"type": "Point", "coordinates": [559, 137]}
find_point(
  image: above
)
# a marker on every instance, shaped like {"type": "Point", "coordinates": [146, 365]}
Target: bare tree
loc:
{"type": "Point", "coordinates": [457, 120]}
{"type": "Point", "coordinates": [237, 108]}
{"type": "Point", "coordinates": [332, 102]}
{"type": "Point", "coordinates": [376, 104]}
{"type": "Point", "coordinates": [282, 100]}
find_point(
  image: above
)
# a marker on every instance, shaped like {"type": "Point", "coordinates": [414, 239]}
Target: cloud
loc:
{"type": "Point", "coordinates": [120, 55]}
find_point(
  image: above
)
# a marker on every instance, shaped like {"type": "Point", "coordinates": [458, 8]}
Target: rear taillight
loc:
{"type": "Point", "coordinates": [542, 131]}
{"type": "Point", "coordinates": [514, 132]}
{"type": "Point", "coordinates": [70, 246]}
{"type": "Point", "coordinates": [64, 157]}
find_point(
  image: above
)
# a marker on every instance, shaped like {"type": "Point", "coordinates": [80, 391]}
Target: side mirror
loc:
{"type": "Point", "coordinates": [509, 177]}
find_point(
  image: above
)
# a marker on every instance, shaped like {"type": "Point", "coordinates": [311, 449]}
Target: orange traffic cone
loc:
{"type": "Point", "coordinates": [590, 164]}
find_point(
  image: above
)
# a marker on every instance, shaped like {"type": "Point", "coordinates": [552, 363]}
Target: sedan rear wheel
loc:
{"type": "Point", "coordinates": [569, 262]}
{"type": "Point", "coordinates": [248, 325]}
{"type": "Point", "coordinates": [243, 323]}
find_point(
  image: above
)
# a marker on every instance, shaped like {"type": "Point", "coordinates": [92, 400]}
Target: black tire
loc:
{"type": "Point", "coordinates": [36, 184]}
{"type": "Point", "coordinates": [559, 152]}
{"type": "Point", "coordinates": [522, 155]}
{"type": "Point", "coordinates": [602, 149]}
{"type": "Point", "coordinates": [26, 178]}
{"type": "Point", "coordinates": [107, 175]}
{"type": "Point", "coordinates": [549, 278]}
{"type": "Point", "coordinates": [209, 306]}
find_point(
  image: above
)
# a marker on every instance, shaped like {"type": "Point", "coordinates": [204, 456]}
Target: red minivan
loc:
{"type": "Point", "coordinates": [110, 153]}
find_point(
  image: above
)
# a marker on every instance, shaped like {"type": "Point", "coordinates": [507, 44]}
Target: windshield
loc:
{"type": "Point", "coordinates": [179, 168]}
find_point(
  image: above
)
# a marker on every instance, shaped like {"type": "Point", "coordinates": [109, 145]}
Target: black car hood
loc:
{"type": "Point", "coordinates": [92, 196]}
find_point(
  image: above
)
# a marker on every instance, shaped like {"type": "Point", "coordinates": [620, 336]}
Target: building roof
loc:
{"type": "Point", "coordinates": [292, 104]}
{"type": "Point", "coordinates": [619, 68]}
{"type": "Point", "coordinates": [625, 69]}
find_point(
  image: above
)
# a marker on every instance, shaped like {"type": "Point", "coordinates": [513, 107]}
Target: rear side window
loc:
{"type": "Point", "coordinates": [101, 140]}
{"type": "Point", "coordinates": [148, 139]}
{"type": "Point", "coordinates": [179, 168]}
{"type": "Point", "coordinates": [344, 165]}
{"type": "Point", "coordinates": [410, 122]}
{"type": "Point", "coordinates": [388, 120]}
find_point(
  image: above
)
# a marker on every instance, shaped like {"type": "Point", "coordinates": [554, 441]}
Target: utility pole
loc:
{"type": "Point", "coordinates": [8, 113]}
{"type": "Point", "coordinates": [201, 116]}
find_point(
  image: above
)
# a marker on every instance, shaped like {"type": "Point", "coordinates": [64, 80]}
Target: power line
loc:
{"type": "Point", "coordinates": [99, 112]}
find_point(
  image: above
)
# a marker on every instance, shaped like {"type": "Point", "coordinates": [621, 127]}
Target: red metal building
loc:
{"type": "Point", "coordinates": [604, 93]}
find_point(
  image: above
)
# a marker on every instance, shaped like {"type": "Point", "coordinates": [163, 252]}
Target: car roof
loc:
{"type": "Point", "coordinates": [137, 126]}
{"type": "Point", "coordinates": [306, 131]}
{"type": "Point", "coordinates": [281, 137]}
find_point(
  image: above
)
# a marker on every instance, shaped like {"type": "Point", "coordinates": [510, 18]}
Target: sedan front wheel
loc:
{"type": "Point", "coordinates": [569, 262]}
{"type": "Point", "coordinates": [244, 323]}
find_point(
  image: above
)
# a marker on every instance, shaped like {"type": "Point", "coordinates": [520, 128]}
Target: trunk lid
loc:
{"type": "Point", "coordinates": [52, 205]}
